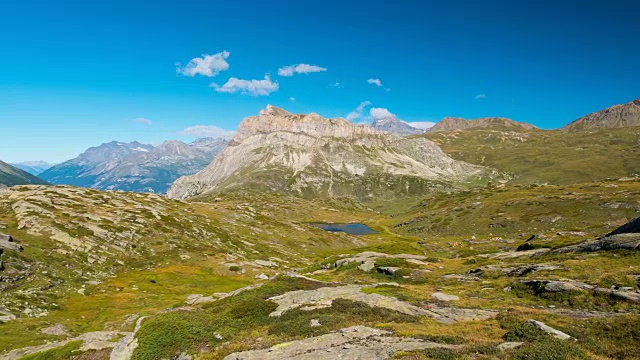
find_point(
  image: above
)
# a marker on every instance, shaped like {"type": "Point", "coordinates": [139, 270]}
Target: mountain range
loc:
{"type": "Point", "coordinates": [456, 123]}
{"type": "Point", "coordinates": [135, 166]}
{"type": "Point", "coordinates": [307, 236]}
{"type": "Point", "coordinates": [145, 168]}
{"type": "Point", "coordinates": [392, 125]}
{"type": "Point", "coordinates": [33, 167]}
{"type": "Point", "coordinates": [312, 156]}
{"type": "Point", "coordinates": [10, 176]}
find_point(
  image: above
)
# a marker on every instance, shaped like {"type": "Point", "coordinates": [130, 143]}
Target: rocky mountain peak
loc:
{"type": "Point", "coordinates": [393, 125]}
{"type": "Point", "coordinates": [273, 120]}
{"type": "Point", "coordinates": [616, 116]}
{"type": "Point", "coordinates": [309, 154]}
{"type": "Point", "coordinates": [274, 111]}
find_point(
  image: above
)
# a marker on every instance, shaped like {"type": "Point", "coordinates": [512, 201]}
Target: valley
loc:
{"type": "Point", "coordinates": [308, 237]}
{"type": "Point", "coordinates": [460, 289]}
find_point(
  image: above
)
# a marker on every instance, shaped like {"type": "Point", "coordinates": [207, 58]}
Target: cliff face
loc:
{"type": "Point", "coordinates": [311, 155]}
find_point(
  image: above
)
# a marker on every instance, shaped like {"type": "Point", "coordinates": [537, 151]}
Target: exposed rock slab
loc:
{"type": "Point", "coordinates": [323, 298]}
{"type": "Point", "coordinates": [515, 270]}
{"type": "Point", "coordinates": [509, 345]}
{"type": "Point", "coordinates": [57, 330]}
{"type": "Point", "coordinates": [514, 254]}
{"type": "Point", "coordinates": [461, 314]}
{"type": "Point", "coordinates": [96, 340]}
{"type": "Point", "coordinates": [124, 348]}
{"type": "Point", "coordinates": [444, 297]}
{"type": "Point", "coordinates": [549, 330]}
{"type": "Point", "coordinates": [354, 343]}
{"type": "Point", "coordinates": [195, 299]}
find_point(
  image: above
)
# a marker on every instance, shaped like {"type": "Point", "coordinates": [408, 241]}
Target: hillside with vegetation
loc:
{"type": "Point", "coordinates": [547, 156]}
{"type": "Point", "coordinates": [529, 248]}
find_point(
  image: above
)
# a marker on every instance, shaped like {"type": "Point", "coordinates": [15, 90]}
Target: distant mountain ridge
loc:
{"type": "Point", "coordinates": [309, 155]}
{"type": "Point", "coordinates": [392, 125]}
{"type": "Point", "coordinates": [617, 116]}
{"type": "Point", "coordinates": [10, 176]}
{"type": "Point", "coordinates": [33, 167]}
{"type": "Point", "coordinates": [456, 123]}
{"type": "Point", "coordinates": [135, 166]}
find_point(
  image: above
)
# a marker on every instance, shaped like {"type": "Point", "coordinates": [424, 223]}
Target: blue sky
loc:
{"type": "Point", "coordinates": [74, 74]}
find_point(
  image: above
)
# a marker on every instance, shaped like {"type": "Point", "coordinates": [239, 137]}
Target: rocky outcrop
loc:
{"type": "Point", "coordinates": [6, 316]}
{"type": "Point", "coordinates": [124, 348]}
{"type": "Point", "coordinates": [520, 270]}
{"type": "Point", "coordinates": [311, 155]}
{"type": "Point", "coordinates": [549, 330]}
{"type": "Point", "coordinates": [444, 297]}
{"type": "Point", "coordinates": [367, 259]}
{"type": "Point", "coordinates": [323, 298]}
{"type": "Point", "coordinates": [515, 254]}
{"type": "Point", "coordinates": [613, 242]}
{"type": "Point", "coordinates": [96, 340]}
{"type": "Point", "coordinates": [7, 242]}
{"type": "Point", "coordinates": [617, 116]}
{"type": "Point", "coordinates": [456, 123]}
{"type": "Point", "coordinates": [57, 330]}
{"type": "Point", "coordinates": [354, 343]}
{"type": "Point", "coordinates": [632, 226]}
{"type": "Point", "coordinates": [308, 300]}
{"type": "Point", "coordinates": [566, 285]}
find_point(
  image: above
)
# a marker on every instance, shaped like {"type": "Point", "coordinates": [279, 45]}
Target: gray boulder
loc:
{"type": "Point", "coordinates": [632, 226]}
{"type": "Point", "coordinates": [387, 270]}
{"type": "Point", "coordinates": [630, 241]}
{"type": "Point", "coordinates": [7, 242]}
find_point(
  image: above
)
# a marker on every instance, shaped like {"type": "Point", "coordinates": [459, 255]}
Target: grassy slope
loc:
{"type": "Point", "coordinates": [438, 226]}
{"type": "Point", "coordinates": [205, 234]}
{"type": "Point", "coordinates": [593, 207]}
{"type": "Point", "coordinates": [554, 157]}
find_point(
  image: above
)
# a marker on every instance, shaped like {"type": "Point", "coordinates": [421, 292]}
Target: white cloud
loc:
{"type": "Point", "coordinates": [335, 85]}
{"type": "Point", "coordinates": [481, 96]}
{"type": "Point", "coordinates": [207, 131]}
{"type": "Point", "coordinates": [380, 113]}
{"type": "Point", "coordinates": [251, 87]}
{"type": "Point", "coordinates": [299, 69]}
{"type": "Point", "coordinates": [375, 82]}
{"type": "Point", "coordinates": [292, 99]}
{"type": "Point", "coordinates": [207, 65]}
{"type": "Point", "coordinates": [142, 121]}
{"type": "Point", "coordinates": [422, 125]}
{"type": "Point", "coordinates": [357, 113]}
